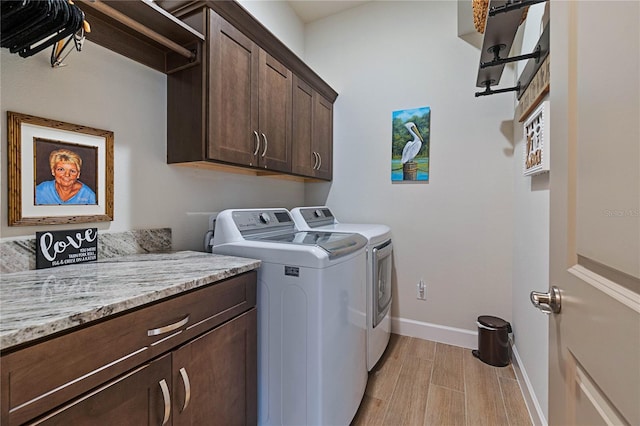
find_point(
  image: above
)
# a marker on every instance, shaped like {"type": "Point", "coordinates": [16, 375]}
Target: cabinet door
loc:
{"type": "Point", "coordinates": [304, 158]}
{"type": "Point", "coordinates": [233, 94]}
{"type": "Point", "coordinates": [275, 114]}
{"type": "Point", "coordinates": [215, 376]}
{"type": "Point", "coordinates": [322, 141]}
{"type": "Point", "coordinates": [134, 399]}
{"type": "Point", "coordinates": [312, 147]}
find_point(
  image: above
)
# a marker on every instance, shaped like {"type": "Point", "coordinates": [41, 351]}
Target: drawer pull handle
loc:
{"type": "Point", "coordinates": [168, 328]}
{"type": "Point", "coordinates": [187, 388]}
{"type": "Point", "coordinates": [167, 401]}
{"type": "Point", "coordinates": [319, 161]}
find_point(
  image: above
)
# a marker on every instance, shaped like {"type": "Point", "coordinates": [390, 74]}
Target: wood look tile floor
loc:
{"type": "Point", "coordinates": [419, 382]}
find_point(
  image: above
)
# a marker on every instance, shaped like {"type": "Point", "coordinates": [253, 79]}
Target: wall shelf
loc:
{"type": "Point", "coordinates": [142, 31]}
{"type": "Point", "coordinates": [503, 19]}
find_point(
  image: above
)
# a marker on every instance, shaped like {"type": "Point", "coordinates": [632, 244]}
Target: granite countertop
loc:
{"type": "Point", "coordinates": [37, 303]}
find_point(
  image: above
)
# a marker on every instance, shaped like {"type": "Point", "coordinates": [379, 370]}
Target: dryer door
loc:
{"type": "Point", "coordinates": [381, 281]}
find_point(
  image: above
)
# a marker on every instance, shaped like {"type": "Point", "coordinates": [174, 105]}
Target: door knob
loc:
{"type": "Point", "coordinates": [547, 302]}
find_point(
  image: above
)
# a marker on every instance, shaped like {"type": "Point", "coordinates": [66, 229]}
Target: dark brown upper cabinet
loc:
{"type": "Point", "coordinates": [249, 101]}
{"type": "Point", "coordinates": [238, 107]}
{"type": "Point", "coordinates": [241, 97]}
{"type": "Point", "coordinates": [312, 132]}
{"type": "Point", "coordinates": [230, 85]}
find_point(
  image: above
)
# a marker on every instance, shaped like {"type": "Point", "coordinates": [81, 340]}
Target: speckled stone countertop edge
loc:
{"type": "Point", "coordinates": [36, 304]}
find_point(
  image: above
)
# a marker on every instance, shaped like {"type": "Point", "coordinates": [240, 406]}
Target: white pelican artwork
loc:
{"type": "Point", "coordinates": [412, 147]}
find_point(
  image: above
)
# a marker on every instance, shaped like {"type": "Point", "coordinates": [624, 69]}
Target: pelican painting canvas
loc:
{"type": "Point", "coordinates": [410, 145]}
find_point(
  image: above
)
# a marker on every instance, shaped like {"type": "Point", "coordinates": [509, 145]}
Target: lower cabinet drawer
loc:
{"type": "Point", "coordinates": [36, 379]}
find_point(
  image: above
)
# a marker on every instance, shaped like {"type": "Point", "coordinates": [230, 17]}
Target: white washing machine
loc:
{"type": "Point", "coordinates": [379, 258]}
{"type": "Point", "coordinates": [311, 315]}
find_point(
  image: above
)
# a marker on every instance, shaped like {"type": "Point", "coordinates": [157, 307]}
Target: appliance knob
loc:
{"type": "Point", "coordinates": [318, 213]}
{"type": "Point", "coordinates": [264, 218]}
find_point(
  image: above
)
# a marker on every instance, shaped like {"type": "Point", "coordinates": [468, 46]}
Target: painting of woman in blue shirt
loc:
{"type": "Point", "coordinates": [65, 188]}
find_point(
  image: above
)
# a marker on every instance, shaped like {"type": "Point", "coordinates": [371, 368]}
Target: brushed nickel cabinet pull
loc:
{"type": "Point", "coordinates": [257, 143]}
{"type": "Point", "coordinates": [266, 144]}
{"type": "Point", "coordinates": [315, 158]}
{"type": "Point", "coordinates": [168, 328]}
{"type": "Point", "coordinates": [167, 401]}
{"type": "Point", "coordinates": [319, 161]}
{"type": "Point", "coordinates": [187, 388]}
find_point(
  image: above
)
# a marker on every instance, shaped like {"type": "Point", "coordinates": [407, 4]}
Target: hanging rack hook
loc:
{"type": "Point", "coordinates": [78, 39]}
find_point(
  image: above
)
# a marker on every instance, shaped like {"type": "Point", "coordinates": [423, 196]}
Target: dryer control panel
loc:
{"type": "Point", "coordinates": [317, 216]}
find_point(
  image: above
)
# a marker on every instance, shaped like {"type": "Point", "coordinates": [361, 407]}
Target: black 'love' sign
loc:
{"type": "Point", "coordinates": [58, 248]}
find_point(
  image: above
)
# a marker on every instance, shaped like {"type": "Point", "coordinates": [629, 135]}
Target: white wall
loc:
{"type": "Point", "coordinates": [101, 89]}
{"type": "Point", "coordinates": [456, 231]}
{"type": "Point", "coordinates": [530, 250]}
{"type": "Point", "coordinates": [281, 20]}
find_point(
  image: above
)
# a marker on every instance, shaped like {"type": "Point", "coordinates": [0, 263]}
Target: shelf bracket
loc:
{"type": "Point", "coordinates": [497, 60]}
{"type": "Point", "coordinates": [489, 91]}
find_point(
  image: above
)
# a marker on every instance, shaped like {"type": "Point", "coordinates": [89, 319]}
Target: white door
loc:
{"type": "Point", "coordinates": [594, 341]}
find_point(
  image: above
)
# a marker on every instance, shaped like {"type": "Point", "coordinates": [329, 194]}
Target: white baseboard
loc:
{"type": "Point", "coordinates": [535, 411]}
{"type": "Point", "coordinates": [437, 333]}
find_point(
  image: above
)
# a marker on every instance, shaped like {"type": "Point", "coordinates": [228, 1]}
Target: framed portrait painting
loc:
{"type": "Point", "coordinates": [58, 172]}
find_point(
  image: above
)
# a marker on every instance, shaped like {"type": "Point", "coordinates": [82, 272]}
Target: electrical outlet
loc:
{"type": "Point", "coordinates": [422, 290]}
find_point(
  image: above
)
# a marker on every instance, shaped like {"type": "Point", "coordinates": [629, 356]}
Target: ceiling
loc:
{"type": "Point", "coordinates": [311, 10]}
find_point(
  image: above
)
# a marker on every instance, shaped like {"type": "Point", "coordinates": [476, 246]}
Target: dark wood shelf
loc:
{"type": "Point", "coordinates": [138, 37]}
{"type": "Point", "coordinates": [499, 30]}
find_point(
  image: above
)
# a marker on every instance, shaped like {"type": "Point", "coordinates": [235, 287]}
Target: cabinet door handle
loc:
{"type": "Point", "coordinates": [187, 388]}
{"type": "Point", "coordinates": [257, 143]}
{"type": "Point", "coordinates": [167, 401]}
{"type": "Point", "coordinates": [266, 144]}
{"type": "Point", "coordinates": [168, 328]}
{"type": "Point", "coordinates": [319, 161]}
{"type": "Point", "coordinates": [315, 160]}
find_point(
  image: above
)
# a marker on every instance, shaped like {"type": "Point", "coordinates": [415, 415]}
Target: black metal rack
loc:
{"type": "Point", "coordinates": [503, 19]}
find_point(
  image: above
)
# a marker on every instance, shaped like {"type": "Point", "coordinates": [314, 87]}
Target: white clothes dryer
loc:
{"type": "Point", "coordinates": [379, 263]}
{"type": "Point", "coordinates": [311, 315]}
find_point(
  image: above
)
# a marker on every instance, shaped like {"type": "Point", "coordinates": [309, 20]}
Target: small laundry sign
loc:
{"type": "Point", "coordinates": [58, 248]}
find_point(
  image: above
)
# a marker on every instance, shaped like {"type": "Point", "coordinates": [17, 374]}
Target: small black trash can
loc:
{"type": "Point", "coordinates": [493, 341]}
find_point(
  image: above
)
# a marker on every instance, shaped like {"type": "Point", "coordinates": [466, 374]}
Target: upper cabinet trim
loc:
{"type": "Point", "coordinates": [236, 15]}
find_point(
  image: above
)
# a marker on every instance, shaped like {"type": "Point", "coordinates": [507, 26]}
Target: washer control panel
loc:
{"type": "Point", "coordinates": [249, 221]}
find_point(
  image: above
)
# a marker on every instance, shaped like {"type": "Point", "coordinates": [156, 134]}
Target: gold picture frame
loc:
{"type": "Point", "coordinates": [33, 143]}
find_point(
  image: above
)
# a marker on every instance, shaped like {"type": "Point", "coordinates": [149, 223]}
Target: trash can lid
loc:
{"type": "Point", "coordinates": [494, 322]}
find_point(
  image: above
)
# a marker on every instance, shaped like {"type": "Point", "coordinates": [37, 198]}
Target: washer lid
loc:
{"type": "Point", "coordinates": [336, 244]}
{"type": "Point", "coordinates": [321, 218]}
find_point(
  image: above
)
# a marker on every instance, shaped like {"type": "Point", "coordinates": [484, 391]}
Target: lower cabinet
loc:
{"type": "Point", "coordinates": [209, 381]}
{"type": "Point", "coordinates": [188, 360]}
